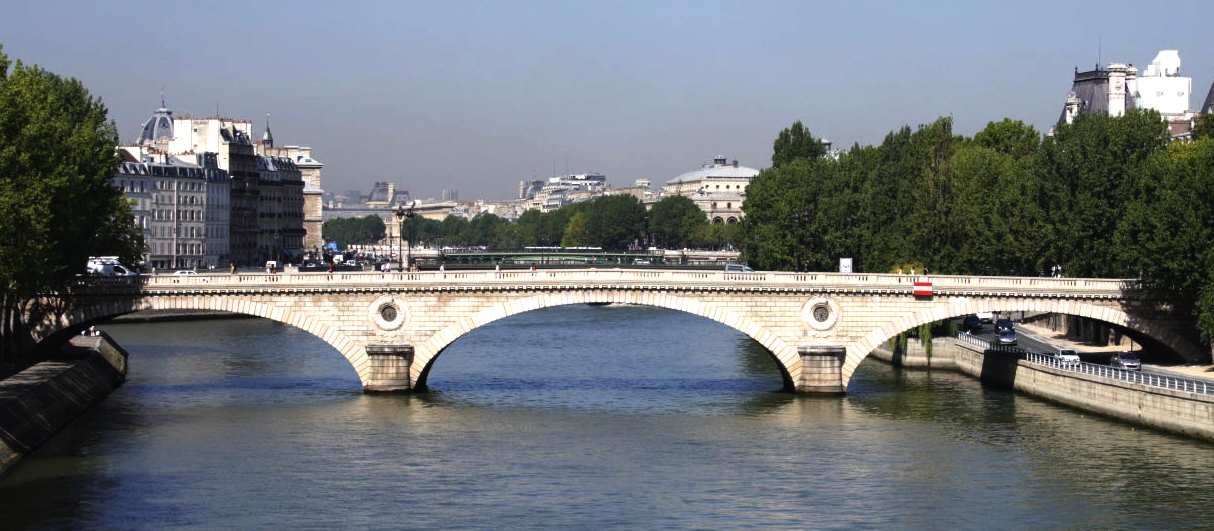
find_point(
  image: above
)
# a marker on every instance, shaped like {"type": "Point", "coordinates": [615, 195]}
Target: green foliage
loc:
{"type": "Point", "coordinates": [1204, 127]}
{"type": "Point", "coordinates": [1089, 171]}
{"type": "Point", "coordinates": [615, 221]}
{"type": "Point", "coordinates": [576, 233]}
{"type": "Point", "coordinates": [57, 206]}
{"type": "Point", "coordinates": [354, 231]}
{"type": "Point", "coordinates": [1104, 197]}
{"type": "Point", "coordinates": [795, 143]}
{"type": "Point", "coordinates": [676, 223]}
{"type": "Point", "coordinates": [1009, 137]}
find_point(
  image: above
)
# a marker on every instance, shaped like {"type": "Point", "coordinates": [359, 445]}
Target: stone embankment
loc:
{"type": "Point", "coordinates": [39, 401]}
{"type": "Point", "coordinates": [1174, 410]}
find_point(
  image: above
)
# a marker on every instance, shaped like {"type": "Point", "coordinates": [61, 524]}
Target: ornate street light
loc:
{"type": "Point", "coordinates": [404, 215]}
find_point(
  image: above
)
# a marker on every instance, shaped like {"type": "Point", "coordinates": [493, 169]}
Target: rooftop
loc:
{"type": "Point", "coordinates": [719, 168]}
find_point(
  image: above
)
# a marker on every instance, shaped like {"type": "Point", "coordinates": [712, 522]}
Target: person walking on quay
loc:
{"type": "Point", "coordinates": [231, 267]}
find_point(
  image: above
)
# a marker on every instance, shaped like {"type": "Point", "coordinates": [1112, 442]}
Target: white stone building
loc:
{"type": "Point", "coordinates": [718, 188]}
{"type": "Point", "coordinates": [1118, 88]}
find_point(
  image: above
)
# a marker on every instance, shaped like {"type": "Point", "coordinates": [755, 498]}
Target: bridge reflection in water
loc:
{"type": "Point", "coordinates": [218, 416]}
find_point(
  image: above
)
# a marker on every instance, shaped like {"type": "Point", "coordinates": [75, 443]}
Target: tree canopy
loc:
{"type": "Point", "coordinates": [795, 143]}
{"type": "Point", "coordinates": [1102, 197]}
{"type": "Point", "coordinates": [57, 206]}
{"type": "Point", "coordinates": [354, 231]}
{"type": "Point", "coordinates": [676, 222]}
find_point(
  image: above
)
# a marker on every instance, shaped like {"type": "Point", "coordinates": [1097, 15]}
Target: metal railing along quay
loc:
{"type": "Point", "coordinates": [1149, 379]}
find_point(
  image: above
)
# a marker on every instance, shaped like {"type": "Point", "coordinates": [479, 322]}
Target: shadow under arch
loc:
{"type": "Point", "coordinates": [1156, 332]}
{"type": "Point", "coordinates": [57, 328]}
{"type": "Point", "coordinates": [784, 355]}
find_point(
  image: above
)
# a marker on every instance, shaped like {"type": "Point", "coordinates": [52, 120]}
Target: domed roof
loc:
{"type": "Point", "coordinates": [718, 168]}
{"type": "Point", "coordinates": [158, 127]}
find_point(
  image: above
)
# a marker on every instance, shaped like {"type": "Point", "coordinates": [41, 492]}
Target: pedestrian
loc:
{"type": "Point", "coordinates": [231, 267]}
{"type": "Point", "coordinates": [330, 266]}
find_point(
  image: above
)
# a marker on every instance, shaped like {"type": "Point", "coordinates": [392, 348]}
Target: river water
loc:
{"type": "Point", "coordinates": [574, 417]}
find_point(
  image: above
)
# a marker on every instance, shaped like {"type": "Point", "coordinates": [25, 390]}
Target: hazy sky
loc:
{"type": "Point", "coordinates": [476, 96]}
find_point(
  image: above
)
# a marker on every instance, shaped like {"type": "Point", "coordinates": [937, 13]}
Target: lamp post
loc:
{"type": "Point", "coordinates": [404, 215]}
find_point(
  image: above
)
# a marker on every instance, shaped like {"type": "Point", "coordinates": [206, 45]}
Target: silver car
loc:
{"type": "Point", "coordinates": [1127, 361]}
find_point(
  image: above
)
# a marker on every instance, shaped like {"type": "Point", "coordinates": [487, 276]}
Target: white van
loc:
{"type": "Point", "coordinates": [104, 267]}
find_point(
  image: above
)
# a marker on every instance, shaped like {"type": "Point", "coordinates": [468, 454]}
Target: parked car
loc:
{"type": "Point", "coordinates": [185, 272]}
{"type": "Point", "coordinates": [1006, 337]}
{"type": "Point", "coordinates": [986, 317]}
{"type": "Point", "coordinates": [1067, 356]}
{"type": "Point", "coordinates": [971, 323]}
{"type": "Point", "coordinates": [738, 268]}
{"type": "Point", "coordinates": [1127, 361]}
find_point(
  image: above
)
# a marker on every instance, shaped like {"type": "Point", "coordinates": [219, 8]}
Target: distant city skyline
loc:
{"type": "Point", "coordinates": [478, 96]}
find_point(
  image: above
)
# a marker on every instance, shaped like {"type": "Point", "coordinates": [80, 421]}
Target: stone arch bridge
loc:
{"type": "Point", "coordinates": [391, 327]}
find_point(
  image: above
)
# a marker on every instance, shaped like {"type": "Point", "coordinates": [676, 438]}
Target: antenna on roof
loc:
{"type": "Point", "coordinates": [162, 105]}
{"type": "Point", "coordinates": [1099, 51]}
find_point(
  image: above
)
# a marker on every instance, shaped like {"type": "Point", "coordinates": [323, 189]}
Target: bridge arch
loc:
{"type": "Point", "coordinates": [1114, 315]}
{"type": "Point", "coordinates": [427, 352]}
{"type": "Point", "coordinates": [56, 328]}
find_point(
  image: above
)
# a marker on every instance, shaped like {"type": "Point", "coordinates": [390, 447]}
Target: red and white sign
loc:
{"type": "Point", "coordinates": [923, 289]}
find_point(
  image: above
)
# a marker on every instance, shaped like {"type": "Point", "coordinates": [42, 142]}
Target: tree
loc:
{"type": "Point", "coordinates": [676, 222]}
{"type": "Point", "coordinates": [1010, 137]}
{"type": "Point", "coordinates": [57, 206]}
{"type": "Point", "coordinates": [795, 143]}
{"type": "Point", "coordinates": [355, 231]}
{"type": "Point", "coordinates": [1089, 172]}
{"type": "Point", "coordinates": [576, 234]}
{"type": "Point", "coordinates": [1204, 126]}
{"type": "Point", "coordinates": [615, 221]}
{"type": "Point", "coordinates": [1164, 236]}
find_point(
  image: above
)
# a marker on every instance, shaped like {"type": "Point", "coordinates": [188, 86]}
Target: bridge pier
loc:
{"type": "Point", "coordinates": [821, 369]}
{"type": "Point", "coordinates": [390, 366]}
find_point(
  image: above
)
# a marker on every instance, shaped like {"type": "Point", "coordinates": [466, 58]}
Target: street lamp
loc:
{"type": "Point", "coordinates": [404, 215]}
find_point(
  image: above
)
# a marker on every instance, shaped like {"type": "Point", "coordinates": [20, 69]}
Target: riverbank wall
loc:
{"type": "Point", "coordinates": [1171, 410]}
{"type": "Point", "coordinates": [40, 400]}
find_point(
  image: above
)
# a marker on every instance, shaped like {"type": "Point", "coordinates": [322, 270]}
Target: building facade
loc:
{"type": "Point", "coordinates": [718, 188]}
{"type": "Point", "coordinates": [1118, 88]}
{"type": "Point", "coordinates": [180, 202]}
{"type": "Point", "coordinates": [174, 202]}
{"type": "Point", "coordinates": [231, 142]}
{"type": "Point", "coordinates": [313, 194]}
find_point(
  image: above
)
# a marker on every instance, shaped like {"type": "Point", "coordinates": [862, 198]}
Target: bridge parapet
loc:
{"type": "Point", "coordinates": [943, 285]}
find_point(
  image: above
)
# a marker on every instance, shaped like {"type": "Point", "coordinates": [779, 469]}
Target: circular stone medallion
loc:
{"type": "Point", "coordinates": [387, 313]}
{"type": "Point", "coordinates": [820, 313]}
